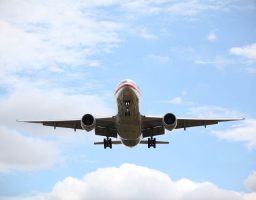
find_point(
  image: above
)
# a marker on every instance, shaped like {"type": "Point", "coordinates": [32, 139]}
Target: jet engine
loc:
{"type": "Point", "coordinates": [88, 122]}
{"type": "Point", "coordinates": [169, 121]}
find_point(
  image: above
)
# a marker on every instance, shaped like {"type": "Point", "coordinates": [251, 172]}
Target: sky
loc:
{"type": "Point", "coordinates": [61, 59]}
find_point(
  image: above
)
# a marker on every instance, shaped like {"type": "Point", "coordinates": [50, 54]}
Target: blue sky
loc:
{"type": "Point", "coordinates": [60, 60]}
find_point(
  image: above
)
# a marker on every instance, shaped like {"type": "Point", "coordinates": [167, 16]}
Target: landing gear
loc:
{"type": "Point", "coordinates": [107, 143]}
{"type": "Point", "coordinates": [151, 142]}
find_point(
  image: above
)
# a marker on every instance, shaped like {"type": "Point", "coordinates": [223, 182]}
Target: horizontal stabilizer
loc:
{"type": "Point", "coordinates": [113, 142]}
{"type": "Point", "coordinates": [157, 142]}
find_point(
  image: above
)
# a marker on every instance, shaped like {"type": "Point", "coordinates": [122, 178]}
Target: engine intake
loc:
{"type": "Point", "coordinates": [169, 121]}
{"type": "Point", "coordinates": [88, 122]}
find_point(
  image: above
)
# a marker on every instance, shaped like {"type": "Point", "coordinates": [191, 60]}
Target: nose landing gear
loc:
{"type": "Point", "coordinates": [107, 143]}
{"type": "Point", "coordinates": [151, 142]}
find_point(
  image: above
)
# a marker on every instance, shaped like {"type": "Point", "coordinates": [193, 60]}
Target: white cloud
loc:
{"type": "Point", "coordinates": [250, 182]}
{"type": "Point", "coordinates": [134, 182]}
{"type": "Point", "coordinates": [187, 8]}
{"type": "Point", "coordinates": [142, 7]}
{"type": "Point", "coordinates": [179, 101]}
{"type": "Point", "coordinates": [43, 35]}
{"type": "Point", "coordinates": [19, 152]}
{"type": "Point", "coordinates": [248, 51]}
{"type": "Point", "coordinates": [219, 62]}
{"type": "Point", "coordinates": [194, 7]}
{"type": "Point", "coordinates": [27, 102]}
{"type": "Point", "coordinates": [142, 32]}
{"type": "Point", "coordinates": [208, 111]}
{"type": "Point", "coordinates": [38, 38]}
{"type": "Point", "coordinates": [55, 34]}
{"type": "Point", "coordinates": [148, 36]}
{"type": "Point", "coordinates": [245, 132]}
{"type": "Point", "coordinates": [19, 49]}
{"type": "Point", "coordinates": [176, 100]}
{"type": "Point", "coordinates": [212, 37]}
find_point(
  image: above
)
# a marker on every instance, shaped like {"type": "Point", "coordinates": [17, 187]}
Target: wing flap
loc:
{"type": "Point", "coordinates": [152, 131]}
{"type": "Point", "coordinates": [106, 131]}
{"type": "Point", "coordinates": [106, 127]}
{"type": "Point", "coordinates": [152, 126]}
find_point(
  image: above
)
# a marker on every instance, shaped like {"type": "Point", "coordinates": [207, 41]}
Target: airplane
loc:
{"type": "Point", "coordinates": [128, 126]}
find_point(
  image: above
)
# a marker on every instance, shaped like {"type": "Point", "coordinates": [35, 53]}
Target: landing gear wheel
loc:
{"type": "Point", "coordinates": [107, 143]}
{"type": "Point", "coordinates": [152, 142]}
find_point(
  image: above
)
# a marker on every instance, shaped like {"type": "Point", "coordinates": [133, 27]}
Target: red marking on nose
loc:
{"type": "Point", "coordinates": [127, 85]}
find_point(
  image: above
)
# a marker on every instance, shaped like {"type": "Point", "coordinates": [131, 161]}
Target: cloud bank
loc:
{"type": "Point", "coordinates": [248, 51]}
{"type": "Point", "coordinates": [38, 148]}
{"type": "Point", "coordinates": [250, 182]}
{"type": "Point", "coordinates": [38, 35]}
{"type": "Point", "coordinates": [130, 181]}
{"type": "Point", "coordinates": [245, 132]}
{"type": "Point", "coordinates": [19, 152]}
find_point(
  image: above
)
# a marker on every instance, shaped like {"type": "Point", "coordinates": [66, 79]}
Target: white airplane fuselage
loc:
{"type": "Point", "coordinates": [128, 119]}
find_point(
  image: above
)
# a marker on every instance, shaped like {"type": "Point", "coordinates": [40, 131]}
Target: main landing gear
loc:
{"type": "Point", "coordinates": [151, 142]}
{"type": "Point", "coordinates": [107, 143]}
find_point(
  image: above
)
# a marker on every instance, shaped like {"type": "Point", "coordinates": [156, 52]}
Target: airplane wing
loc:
{"type": "Point", "coordinates": [190, 122]}
{"type": "Point", "coordinates": [104, 126]}
{"type": "Point", "coordinates": [152, 126]}
{"type": "Point", "coordinates": [74, 124]}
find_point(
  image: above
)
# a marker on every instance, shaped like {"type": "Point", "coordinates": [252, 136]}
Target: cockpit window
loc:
{"type": "Point", "coordinates": [124, 81]}
{"type": "Point", "coordinates": [127, 81]}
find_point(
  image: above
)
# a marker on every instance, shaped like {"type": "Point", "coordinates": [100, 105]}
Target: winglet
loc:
{"type": "Point", "coordinates": [18, 120]}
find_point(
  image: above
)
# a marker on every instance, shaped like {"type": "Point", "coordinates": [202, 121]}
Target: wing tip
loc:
{"type": "Point", "coordinates": [238, 119]}
{"type": "Point", "coordinates": [17, 120]}
{"type": "Point", "coordinates": [25, 121]}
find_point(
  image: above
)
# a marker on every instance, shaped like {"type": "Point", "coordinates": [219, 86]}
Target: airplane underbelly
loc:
{"type": "Point", "coordinates": [128, 118]}
{"type": "Point", "coordinates": [130, 143]}
{"type": "Point", "coordinates": [129, 131]}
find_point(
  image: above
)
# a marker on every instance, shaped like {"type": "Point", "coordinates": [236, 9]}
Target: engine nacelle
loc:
{"type": "Point", "coordinates": [88, 122]}
{"type": "Point", "coordinates": [169, 121]}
